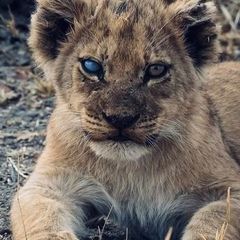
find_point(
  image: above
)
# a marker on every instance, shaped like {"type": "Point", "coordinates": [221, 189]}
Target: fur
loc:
{"type": "Point", "coordinates": [182, 127]}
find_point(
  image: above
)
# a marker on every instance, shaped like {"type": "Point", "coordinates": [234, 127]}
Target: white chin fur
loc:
{"type": "Point", "coordinates": [125, 151]}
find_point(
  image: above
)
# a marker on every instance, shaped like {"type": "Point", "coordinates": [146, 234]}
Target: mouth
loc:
{"type": "Point", "coordinates": [120, 138]}
{"type": "Point", "coordinates": [119, 146]}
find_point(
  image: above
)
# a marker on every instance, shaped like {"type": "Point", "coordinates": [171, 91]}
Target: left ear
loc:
{"type": "Point", "coordinates": [200, 32]}
{"type": "Point", "coordinates": [51, 25]}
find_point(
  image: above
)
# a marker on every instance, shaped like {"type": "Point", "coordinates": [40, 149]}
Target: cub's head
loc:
{"type": "Point", "coordinates": [126, 73]}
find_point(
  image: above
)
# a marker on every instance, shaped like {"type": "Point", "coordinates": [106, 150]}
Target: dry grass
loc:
{"type": "Point", "coordinates": [220, 234]}
{"type": "Point", "coordinates": [104, 225]}
{"type": "Point", "coordinates": [5, 96]}
{"type": "Point", "coordinates": [231, 12]}
{"type": "Point", "coordinates": [169, 234]}
{"type": "Point", "coordinates": [43, 87]}
{"type": "Point", "coordinates": [229, 19]}
{"type": "Point", "coordinates": [10, 24]}
{"type": "Point", "coordinates": [20, 208]}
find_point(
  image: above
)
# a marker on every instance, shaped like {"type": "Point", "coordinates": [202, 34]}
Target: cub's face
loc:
{"type": "Point", "coordinates": [127, 72]}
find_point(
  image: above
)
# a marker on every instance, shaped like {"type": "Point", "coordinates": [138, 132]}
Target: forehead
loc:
{"type": "Point", "coordinates": [121, 31]}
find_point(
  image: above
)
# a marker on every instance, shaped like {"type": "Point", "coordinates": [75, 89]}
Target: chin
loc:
{"type": "Point", "coordinates": [119, 151]}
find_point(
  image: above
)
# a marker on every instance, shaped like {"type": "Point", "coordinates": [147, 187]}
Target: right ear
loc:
{"type": "Point", "coordinates": [51, 25]}
{"type": "Point", "coordinates": [195, 18]}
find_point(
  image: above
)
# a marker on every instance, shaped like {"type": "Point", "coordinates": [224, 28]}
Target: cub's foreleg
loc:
{"type": "Point", "coordinates": [55, 205]}
{"type": "Point", "coordinates": [210, 219]}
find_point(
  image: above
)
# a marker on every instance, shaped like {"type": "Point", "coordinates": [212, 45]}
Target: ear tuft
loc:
{"type": "Point", "coordinates": [200, 31]}
{"type": "Point", "coordinates": [51, 29]}
{"type": "Point", "coordinates": [50, 26]}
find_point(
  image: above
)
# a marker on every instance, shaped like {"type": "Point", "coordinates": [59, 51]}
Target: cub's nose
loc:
{"type": "Point", "coordinates": [121, 122]}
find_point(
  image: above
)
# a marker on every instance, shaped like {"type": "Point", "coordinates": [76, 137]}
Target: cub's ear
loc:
{"type": "Point", "coordinates": [51, 25]}
{"type": "Point", "coordinates": [200, 32]}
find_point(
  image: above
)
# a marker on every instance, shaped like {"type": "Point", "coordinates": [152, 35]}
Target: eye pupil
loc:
{"type": "Point", "coordinates": [156, 70]}
{"type": "Point", "coordinates": [91, 66]}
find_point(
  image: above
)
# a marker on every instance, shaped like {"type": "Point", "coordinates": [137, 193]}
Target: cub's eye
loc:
{"type": "Point", "coordinates": [91, 66]}
{"type": "Point", "coordinates": [156, 70]}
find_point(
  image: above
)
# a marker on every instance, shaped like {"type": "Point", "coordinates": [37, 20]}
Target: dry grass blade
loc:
{"type": "Point", "coordinates": [43, 87]}
{"type": "Point", "coordinates": [19, 172]}
{"type": "Point", "coordinates": [237, 19]}
{"type": "Point", "coordinates": [220, 234]}
{"type": "Point", "coordinates": [203, 238]}
{"type": "Point", "coordinates": [10, 24]}
{"type": "Point", "coordinates": [20, 208]}
{"type": "Point", "coordinates": [231, 11]}
{"type": "Point", "coordinates": [104, 225]}
{"type": "Point", "coordinates": [126, 234]}
{"type": "Point", "coordinates": [169, 234]}
{"type": "Point", "coordinates": [228, 17]}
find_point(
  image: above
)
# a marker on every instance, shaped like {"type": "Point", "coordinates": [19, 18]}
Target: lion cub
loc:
{"type": "Point", "coordinates": [141, 127]}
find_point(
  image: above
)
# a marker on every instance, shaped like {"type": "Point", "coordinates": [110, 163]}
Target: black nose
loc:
{"type": "Point", "coordinates": [121, 122]}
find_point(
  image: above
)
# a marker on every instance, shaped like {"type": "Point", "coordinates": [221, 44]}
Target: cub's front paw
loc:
{"type": "Point", "coordinates": [190, 236]}
{"type": "Point", "coordinates": [62, 235]}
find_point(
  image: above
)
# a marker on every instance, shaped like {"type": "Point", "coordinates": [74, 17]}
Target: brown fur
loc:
{"type": "Point", "coordinates": [224, 91]}
{"type": "Point", "coordinates": [184, 126]}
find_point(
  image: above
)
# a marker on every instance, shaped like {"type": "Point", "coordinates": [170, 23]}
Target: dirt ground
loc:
{"type": "Point", "coordinates": [26, 101]}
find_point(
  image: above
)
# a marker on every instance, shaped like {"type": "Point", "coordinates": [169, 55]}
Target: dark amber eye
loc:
{"type": "Point", "coordinates": [156, 70]}
{"type": "Point", "coordinates": [92, 67]}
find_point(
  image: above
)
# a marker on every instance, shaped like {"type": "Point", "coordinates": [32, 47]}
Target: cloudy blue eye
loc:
{"type": "Point", "coordinates": [91, 66]}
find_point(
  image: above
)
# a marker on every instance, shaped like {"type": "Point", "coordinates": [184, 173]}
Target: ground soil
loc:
{"type": "Point", "coordinates": [26, 102]}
